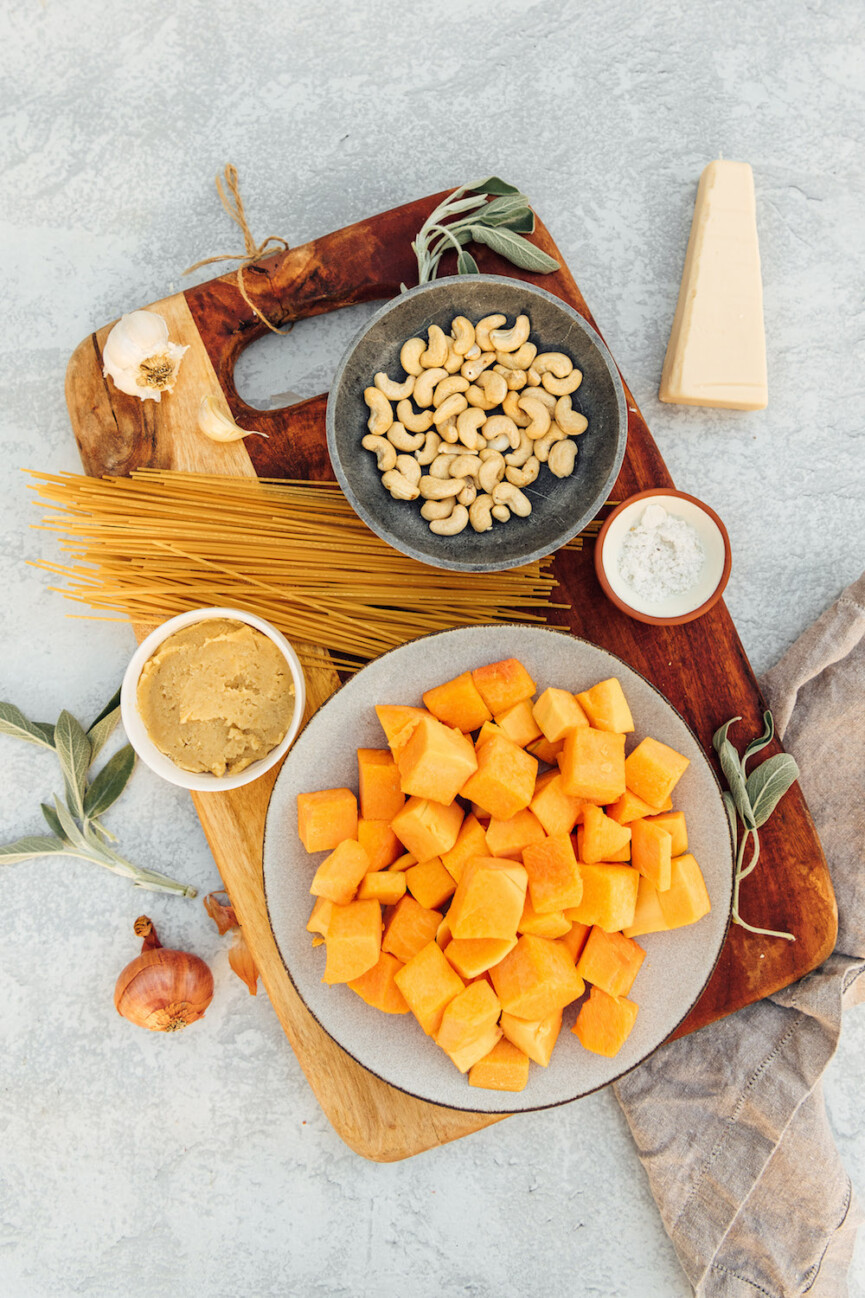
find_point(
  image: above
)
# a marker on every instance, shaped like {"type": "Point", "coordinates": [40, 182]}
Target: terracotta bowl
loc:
{"type": "Point", "coordinates": [675, 609]}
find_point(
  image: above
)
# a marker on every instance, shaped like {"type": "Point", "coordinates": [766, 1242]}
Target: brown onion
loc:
{"type": "Point", "coordinates": [162, 990]}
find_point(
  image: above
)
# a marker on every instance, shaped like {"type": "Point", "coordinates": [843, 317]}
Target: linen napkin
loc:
{"type": "Point", "coordinates": [730, 1122]}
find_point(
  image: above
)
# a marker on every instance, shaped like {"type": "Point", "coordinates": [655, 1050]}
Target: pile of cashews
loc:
{"type": "Point", "coordinates": [491, 410]}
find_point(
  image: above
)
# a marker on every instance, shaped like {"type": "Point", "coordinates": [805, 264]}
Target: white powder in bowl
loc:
{"type": "Point", "coordinates": [661, 556]}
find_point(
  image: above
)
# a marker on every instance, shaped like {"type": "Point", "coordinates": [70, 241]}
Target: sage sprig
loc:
{"type": "Point", "coordinates": [751, 799]}
{"type": "Point", "coordinates": [466, 216]}
{"type": "Point", "coordinates": [75, 824]}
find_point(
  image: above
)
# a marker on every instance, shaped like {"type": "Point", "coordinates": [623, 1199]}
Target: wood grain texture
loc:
{"type": "Point", "coordinates": [701, 667]}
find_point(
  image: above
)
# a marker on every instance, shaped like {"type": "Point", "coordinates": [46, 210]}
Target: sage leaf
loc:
{"type": "Point", "coordinates": [732, 768]}
{"type": "Point", "coordinates": [470, 204]}
{"type": "Point", "coordinates": [730, 808]}
{"type": "Point", "coordinates": [73, 749]}
{"type": "Point", "coordinates": [492, 185]}
{"type": "Point", "coordinates": [52, 820]}
{"type": "Point", "coordinates": [766, 738]}
{"type": "Point", "coordinates": [522, 223]}
{"type": "Point", "coordinates": [109, 783]}
{"type": "Point", "coordinates": [13, 722]}
{"type": "Point", "coordinates": [71, 831]}
{"type": "Point", "coordinates": [768, 784]}
{"type": "Point", "coordinates": [501, 209]}
{"type": "Point", "coordinates": [466, 264]}
{"type": "Point", "coordinates": [515, 249]}
{"type": "Point", "coordinates": [102, 727]}
{"type": "Point", "coordinates": [25, 849]}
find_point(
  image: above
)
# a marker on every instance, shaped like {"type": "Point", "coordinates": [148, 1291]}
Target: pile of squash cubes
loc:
{"type": "Point", "coordinates": [514, 868]}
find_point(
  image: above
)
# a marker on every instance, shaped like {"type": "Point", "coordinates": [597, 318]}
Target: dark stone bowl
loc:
{"type": "Point", "coordinates": [561, 507]}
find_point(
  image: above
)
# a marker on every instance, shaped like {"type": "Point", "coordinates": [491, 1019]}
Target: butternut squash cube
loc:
{"type": "Point", "coordinates": [468, 1029]}
{"type": "Point", "coordinates": [408, 928]}
{"type": "Point", "coordinates": [651, 852]}
{"type": "Point", "coordinates": [378, 784]}
{"type": "Point", "coordinates": [487, 730]}
{"type": "Point", "coordinates": [537, 1038]}
{"type": "Point", "coordinates": [436, 762]}
{"type": "Point", "coordinates": [537, 978]}
{"type": "Point", "coordinates": [339, 874]}
{"type": "Point", "coordinates": [379, 842]}
{"type": "Point", "coordinates": [427, 828]}
{"type": "Point", "coordinates": [504, 781]}
{"type": "Point", "coordinates": [623, 854]}
{"type": "Point", "coordinates": [602, 838]}
{"type": "Point", "coordinates": [353, 941]}
{"type": "Point", "coordinates": [509, 837]}
{"type": "Point", "coordinates": [674, 823]}
{"type": "Point", "coordinates": [653, 770]}
{"type": "Point", "coordinates": [607, 708]}
{"type": "Point", "coordinates": [648, 916]}
{"type": "Point", "coordinates": [556, 712]}
{"type": "Point", "coordinates": [377, 986]}
{"type": "Point", "coordinates": [609, 897]}
{"type": "Point", "coordinates": [505, 1068]}
{"type": "Point", "coordinates": [430, 883]}
{"type": "Point", "coordinates": [489, 899]}
{"type": "Point", "coordinates": [503, 684]}
{"type": "Point", "coordinates": [428, 984]}
{"type": "Point", "coordinates": [402, 863]}
{"type": "Point", "coordinates": [593, 765]}
{"type": "Point", "coordinates": [555, 882]}
{"type": "Point", "coordinates": [544, 750]}
{"type": "Point", "coordinates": [552, 925]}
{"type": "Point", "coordinates": [398, 722]}
{"type": "Point", "coordinates": [473, 956]}
{"type": "Point", "coordinates": [604, 1022]}
{"type": "Point", "coordinates": [444, 936]}
{"type": "Point", "coordinates": [325, 818]}
{"type": "Point", "coordinates": [320, 916]}
{"type": "Point", "coordinates": [519, 723]}
{"type": "Point", "coordinates": [575, 940]}
{"type": "Point", "coordinates": [686, 900]}
{"type": "Point", "coordinates": [382, 886]}
{"type": "Point", "coordinates": [629, 807]}
{"type": "Point", "coordinates": [471, 841]}
{"type": "Point", "coordinates": [555, 809]}
{"type": "Point", "coordinates": [457, 703]}
{"type": "Point", "coordinates": [611, 961]}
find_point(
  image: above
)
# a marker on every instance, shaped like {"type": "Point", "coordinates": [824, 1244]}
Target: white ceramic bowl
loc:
{"type": "Point", "coordinates": [136, 731]}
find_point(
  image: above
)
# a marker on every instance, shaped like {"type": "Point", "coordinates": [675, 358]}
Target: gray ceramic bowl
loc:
{"type": "Point", "coordinates": [561, 507]}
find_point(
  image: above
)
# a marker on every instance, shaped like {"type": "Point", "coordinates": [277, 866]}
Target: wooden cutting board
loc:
{"type": "Point", "coordinates": [701, 667]}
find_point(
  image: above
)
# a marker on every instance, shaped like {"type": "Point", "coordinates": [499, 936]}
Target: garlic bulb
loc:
{"type": "Point", "coordinates": [138, 357]}
{"type": "Point", "coordinates": [220, 427]}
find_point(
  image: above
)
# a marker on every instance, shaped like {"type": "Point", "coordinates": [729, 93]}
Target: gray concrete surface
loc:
{"type": "Point", "coordinates": [142, 1165]}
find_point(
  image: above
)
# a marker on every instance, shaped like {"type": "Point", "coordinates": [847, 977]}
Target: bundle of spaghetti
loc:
{"type": "Point", "coordinates": [162, 541]}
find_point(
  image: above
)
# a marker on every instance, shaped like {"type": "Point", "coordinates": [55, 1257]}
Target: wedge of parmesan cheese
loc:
{"type": "Point", "coordinates": [716, 355]}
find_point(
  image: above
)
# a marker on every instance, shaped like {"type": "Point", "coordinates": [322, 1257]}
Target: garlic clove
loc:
{"type": "Point", "coordinates": [138, 357]}
{"type": "Point", "coordinates": [220, 427]}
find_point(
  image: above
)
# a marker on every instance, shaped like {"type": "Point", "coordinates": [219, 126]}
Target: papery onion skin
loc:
{"type": "Point", "coordinates": [163, 990]}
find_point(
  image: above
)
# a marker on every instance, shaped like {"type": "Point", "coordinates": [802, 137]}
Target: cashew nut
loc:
{"type": "Point", "coordinates": [556, 363]}
{"type": "Point", "coordinates": [469, 423]}
{"type": "Point", "coordinates": [520, 359]}
{"type": "Point", "coordinates": [465, 466]}
{"type": "Point", "coordinates": [479, 513]}
{"type": "Point", "coordinates": [499, 443]}
{"type": "Point", "coordinates": [525, 449]}
{"type": "Point", "coordinates": [449, 432]}
{"type": "Point", "coordinates": [544, 397]}
{"type": "Point", "coordinates": [515, 379]}
{"type": "Point", "coordinates": [452, 525]}
{"type": "Point", "coordinates": [473, 352]}
{"type": "Point", "coordinates": [430, 448]}
{"type": "Point", "coordinates": [562, 387]}
{"type": "Point", "coordinates": [507, 494]}
{"type": "Point", "coordinates": [453, 360]}
{"type": "Point", "coordinates": [402, 440]}
{"type": "Point", "coordinates": [539, 416]}
{"type": "Point", "coordinates": [508, 340]}
{"type": "Point", "coordinates": [562, 456]}
{"type": "Point", "coordinates": [439, 489]}
{"type": "Point", "coordinates": [436, 509]}
{"type": "Point", "coordinates": [410, 354]}
{"type": "Point", "coordinates": [425, 385]}
{"type": "Point", "coordinates": [499, 425]}
{"type": "Point", "coordinates": [436, 353]}
{"type": "Point", "coordinates": [468, 494]}
{"type": "Point", "coordinates": [491, 472]}
{"type": "Point", "coordinates": [533, 378]}
{"type": "Point", "coordinates": [448, 386]}
{"type": "Point", "coordinates": [526, 475]}
{"type": "Point", "coordinates": [482, 331]}
{"type": "Point", "coordinates": [385, 454]}
{"type": "Point", "coordinates": [398, 486]}
{"type": "Point", "coordinates": [381, 412]}
{"type": "Point", "coordinates": [472, 368]}
{"type": "Point", "coordinates": [394, 391]}
{"type": "Point", "coordinates": [544, 445]}
{"type": "Point", "coordinates": [408, 466]}
{"type": "Point", "coordinates": [571, 421]}
{"type": "Point", "coordinates": [441, 467]}
{"type": "Point", "coordinates": [454, 405]}
{"type": "Point", "coordinates": [464, 334]}
{"type": "Point", "coordinates": [412, 420]}
{"type": "Point", "coordinates": [500, 513]}
{"type": "Point", "coordinates": [489, 391]}
{"type": "Point", "coordinates": [512, 410]}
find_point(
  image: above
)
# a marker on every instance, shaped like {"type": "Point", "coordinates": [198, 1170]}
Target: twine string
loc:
{"type": "Point", "coordinates": [233, 204]}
